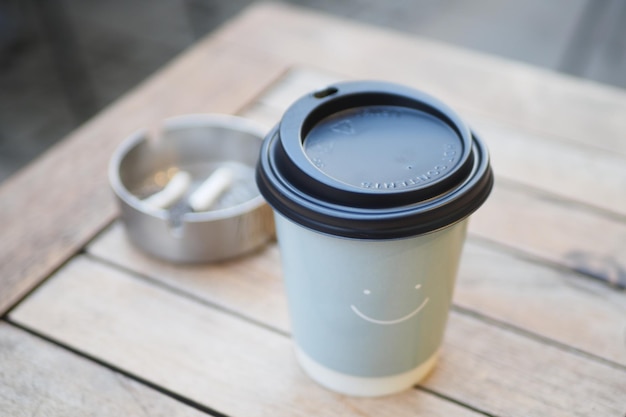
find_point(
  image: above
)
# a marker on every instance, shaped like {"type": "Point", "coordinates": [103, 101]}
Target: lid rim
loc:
{"type": "Point", "coordinates": [382, 224]}
{"type": "Point", "coordinates": [310, 109]}
{"type": "Point", "coordinates": [289, 194]}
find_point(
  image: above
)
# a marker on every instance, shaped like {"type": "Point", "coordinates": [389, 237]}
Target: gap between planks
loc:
{"type": "Point", "coordinates": [186, 293]}
{"type": "Point", "coordinates": [546, 228]}
{"type": "Point", "coordinates": [41, 377]}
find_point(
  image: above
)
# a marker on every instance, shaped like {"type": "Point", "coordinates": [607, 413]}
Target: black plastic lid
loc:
{"type": "Point", "coordinates": [373, 160]}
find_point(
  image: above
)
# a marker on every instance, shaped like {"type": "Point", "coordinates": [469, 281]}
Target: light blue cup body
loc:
{"type": "Point", "coordinates": [368, 316]}
{"type": "Point", "coordinates": [372, 184]}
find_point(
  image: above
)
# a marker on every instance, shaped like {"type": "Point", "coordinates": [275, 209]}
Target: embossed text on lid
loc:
{"type": "Point", "coordinates": [383, 147]}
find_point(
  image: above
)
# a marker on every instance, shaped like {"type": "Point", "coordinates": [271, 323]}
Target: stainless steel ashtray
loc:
{"type": "Point", "coordinates": [188, 193]}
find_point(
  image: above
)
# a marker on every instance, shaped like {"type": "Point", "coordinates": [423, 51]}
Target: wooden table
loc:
{"type": "Point", "coordinates": [91, 326]}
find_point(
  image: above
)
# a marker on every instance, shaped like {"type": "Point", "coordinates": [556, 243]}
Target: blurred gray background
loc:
{"type": "Point", "coordinates": [61, 61]}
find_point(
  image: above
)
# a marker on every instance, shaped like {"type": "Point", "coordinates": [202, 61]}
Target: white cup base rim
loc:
{"type": "Point", "coordinates": [364, 386]}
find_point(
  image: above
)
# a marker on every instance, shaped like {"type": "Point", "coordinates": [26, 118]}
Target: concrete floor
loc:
{"type": "Point", "coordinates": [61, 61]}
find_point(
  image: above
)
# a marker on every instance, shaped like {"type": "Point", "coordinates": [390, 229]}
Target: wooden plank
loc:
{"type": "Point", "coordinates": [54, 206]}
{"type": "Point", "coordinates": [250, 285]}
{"type": "Point", "coordinates": [205, 355]}
{"type": "Point", "coordinates": [239, 368]}
{"type": "Point", "coordinates": [555, 230]}
{"type": "Point", "coordinates": [540, 101]}
{"type": "Point", "coordinates": [576, 172]}
{"type": "Point", "coordinates": [40, 379]}
{"type": "Point", "coordinates": [507, 374]}
{"type": "Point", "coordinates": [552, 303]}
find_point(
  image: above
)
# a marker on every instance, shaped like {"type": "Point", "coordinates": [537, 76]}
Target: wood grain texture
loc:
{"type": "Point", "coordinates": [249, 285]}
{"type": "Point", "coordinates": [571, 171]}
{"type": "Point", "coordinates": [553, 229]}
{"type": "Point", "coordinates": [239, 368]}
{"type": "Point", "coordinates": [54, 206]}
{"type": "Point", "coordinates": [540, 101]}
{"type": "Point", "coordinates": [508, 374]}
{"type": "Point", "coordinates": [216, 359]}
{"type": "Point", "coordinates": [40, 379]}
{"type": "Point", "coordinates": [552, 303]}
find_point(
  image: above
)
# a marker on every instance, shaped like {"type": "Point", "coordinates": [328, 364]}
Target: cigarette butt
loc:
{"type": "Point", "coordinates": [172, 192]}
{"type": "Point", "coordinates": [208, 192]}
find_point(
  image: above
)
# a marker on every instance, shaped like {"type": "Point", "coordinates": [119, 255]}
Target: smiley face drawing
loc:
{"type": "Point", "coordinates": [401, 319]}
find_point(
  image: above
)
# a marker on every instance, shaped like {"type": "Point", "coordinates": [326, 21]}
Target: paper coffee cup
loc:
{"type": "Point", "coordinates": [371, 185]}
